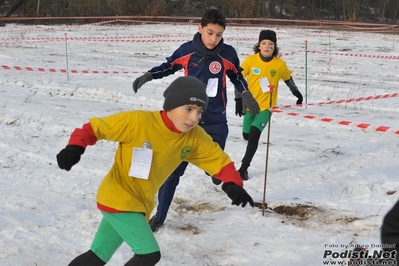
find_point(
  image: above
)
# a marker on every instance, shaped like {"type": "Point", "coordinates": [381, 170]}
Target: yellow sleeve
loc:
{"type": "Point", "coordinates": [117, 127]}
{"type": "Point", "coordinates": [207, 154]}
{"type": "Point", "coordinates": [286, 72]}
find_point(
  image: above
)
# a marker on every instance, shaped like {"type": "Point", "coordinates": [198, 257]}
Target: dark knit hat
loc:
{"type": "Point", "coordinates": [185, 90]}
{"type": "Point", "coordinates": [268, 35]}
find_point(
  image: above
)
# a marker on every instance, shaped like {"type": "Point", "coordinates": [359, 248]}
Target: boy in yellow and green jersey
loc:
{"type": "Point", "coordinates": [151, 145]}
{"type": "Point", "coordinates": [262, 70]}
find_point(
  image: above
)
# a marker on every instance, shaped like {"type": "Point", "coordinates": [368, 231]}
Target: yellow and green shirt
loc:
{"type": "Point", "coordinates": [131, 129]}
{"type": "Point", "coordinates": [254, 69]}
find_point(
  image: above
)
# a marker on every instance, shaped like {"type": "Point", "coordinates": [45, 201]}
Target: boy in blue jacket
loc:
{"type": "Point", "coordinates": [210, 60]}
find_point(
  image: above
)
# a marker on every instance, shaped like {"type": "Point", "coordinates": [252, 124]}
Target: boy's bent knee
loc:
{"type": "Point", "coordinates": [145, 259]}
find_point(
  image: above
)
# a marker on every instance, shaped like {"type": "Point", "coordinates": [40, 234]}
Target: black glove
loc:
{"type": "Point", "coordinates": [237, 194]}
{"type": "Point", "coordinates": [138, 82]}
{"type": "Point", "coordinates": [298, 94]}
{"type": "Point", "coordinates": [248, 101]}
{"type": "Point", "coordinates": [69, 156]}
{"type": "Point", "coordinates": [239, 110]}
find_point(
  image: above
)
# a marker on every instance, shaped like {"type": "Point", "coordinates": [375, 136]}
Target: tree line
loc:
{"type": "Point", "coordinates": [381, 11]}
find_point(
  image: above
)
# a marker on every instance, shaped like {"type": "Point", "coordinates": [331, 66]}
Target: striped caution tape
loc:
{"type": "Point", "coordinates": [350, 100]}
{"type": "Point", "coordinates": [341, 122]}
{"type": "Point", "coordinates": [73, 71]}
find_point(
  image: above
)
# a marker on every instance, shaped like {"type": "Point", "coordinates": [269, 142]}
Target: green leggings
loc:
{"type": "Point", "coordinates": [259, 121]}
{"type": "Point", "coordinates": [131, 227]}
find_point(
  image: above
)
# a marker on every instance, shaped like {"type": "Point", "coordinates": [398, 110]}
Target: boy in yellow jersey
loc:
{"type": "Point", "coordinates": [262, 69]}
{"type": "Point", "coordinates": [151, 145]}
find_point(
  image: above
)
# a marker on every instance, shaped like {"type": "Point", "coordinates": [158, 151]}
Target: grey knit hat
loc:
{"type": "Point", "coordinates": [268, 35]}
{"type": "Point", "coordinates": [185, 90]}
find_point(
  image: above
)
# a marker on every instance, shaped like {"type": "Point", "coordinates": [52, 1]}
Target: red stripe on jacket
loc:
{"type": "Point", "coordinates": [83, 136]}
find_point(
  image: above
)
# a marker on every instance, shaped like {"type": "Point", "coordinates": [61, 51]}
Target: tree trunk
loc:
{"type": "Point", "coordinates": [395, 14]}
{"type": "Point", "coordinates": [271, 9]}
{"type": "Point", "coordinates": [14, 8]}
{"type": "Point", "coordinates": [343, 10]}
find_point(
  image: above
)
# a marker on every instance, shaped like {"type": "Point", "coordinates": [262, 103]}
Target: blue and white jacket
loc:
{"type": "Point", "coordinates": [209, 66]}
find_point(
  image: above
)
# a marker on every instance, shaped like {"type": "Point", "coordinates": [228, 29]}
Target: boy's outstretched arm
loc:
{"type": "Point", "coordinates": [237, 194]}
{"type": "Point", "coordinates": [173, 64]}
{"type": "Point", "coordinates": [245, 100]}
{"type": "Point", "coordinates": [138, 82]}
{"type": "Point", "coordinates": [294, 89]}
{"type": "Point", "coordinates": [239, 108]}
{"type": "Point", "coordinates": [248, 101]}
{"type": "Point", "coordinates": [233, 186]}
{"type": "Point", "coordinates": [80, 138]}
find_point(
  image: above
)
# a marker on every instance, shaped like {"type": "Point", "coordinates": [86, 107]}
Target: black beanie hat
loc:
{"type": "Point", "coordinates": [185, 90]}
{"type": "Point", "coordinates": [268, 35]}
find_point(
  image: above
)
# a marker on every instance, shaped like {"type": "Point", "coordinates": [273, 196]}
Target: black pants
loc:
{"type": "Point", "coordinates": [253, 141]}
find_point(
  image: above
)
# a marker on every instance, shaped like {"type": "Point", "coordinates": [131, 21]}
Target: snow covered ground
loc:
{"type": "Point", "coordinates": [332, 165]}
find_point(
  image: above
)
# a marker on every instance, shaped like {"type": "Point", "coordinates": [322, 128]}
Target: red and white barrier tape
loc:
{"type": "Point", "coordinates": [72, 71]}
{"type": "Point", "coordinates": [186, 18]}
{"type": "Point", "coordinates": [359, 99]}
{"type": "Point", "coordinates": [149, 20]}
{"type": "Point", "coordinates": [341, 122]}
{"type": "Point", "coordinates": [395, 57]}
{"type": "Point", "coordinates": [275, 110]}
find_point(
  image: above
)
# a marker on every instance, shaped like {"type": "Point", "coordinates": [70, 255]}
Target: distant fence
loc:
{"type": "Point", "coordinates": [269, 22]}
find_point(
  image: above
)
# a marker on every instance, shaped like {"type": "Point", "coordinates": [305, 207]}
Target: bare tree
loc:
{"type": "Point", "coordinates": [384, 4]}
{"type": "Point", "coordinates": [271, 8]}
{"type": "Point", "coordinates": [14, 8]}
{"type": "Point", "coordinates": [2, 2]}
{"type": "Point", "coordinates": [312, 7]}
{"type": "Point", "coordinates": [395, 7]}
{"type": "Point", "coordinates": [354, 10]}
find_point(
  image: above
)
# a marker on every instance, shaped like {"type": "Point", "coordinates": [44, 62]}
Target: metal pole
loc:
{"type": "Point", "coordinates": [38, 8]}
{"type": "Point", "coordinates": [237, 39]}
{"type": "Point", "coordinates": [66, 55]}
{"type": "Point", "coordinates": [271, 87]}
{"type": "Point", "coordinates": [306, 73]}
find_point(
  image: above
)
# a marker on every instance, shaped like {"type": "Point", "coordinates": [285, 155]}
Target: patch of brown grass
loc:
{"type": "Point", "coordinates": [189, 229]}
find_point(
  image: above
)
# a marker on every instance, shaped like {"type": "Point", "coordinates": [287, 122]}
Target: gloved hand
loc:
{"type": "Point", "coordinates": [298, 94]}
{"type": "Point", "coordinates": [248, 101]}
{"type": "Point", "coordinates": [239, 110]}
{"type": "Point", "coordinates": [237, 194]}
{"type": "Point", "coordinates": [69, 156]}
{"type": "Point", "coordinates": [138, 82]}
